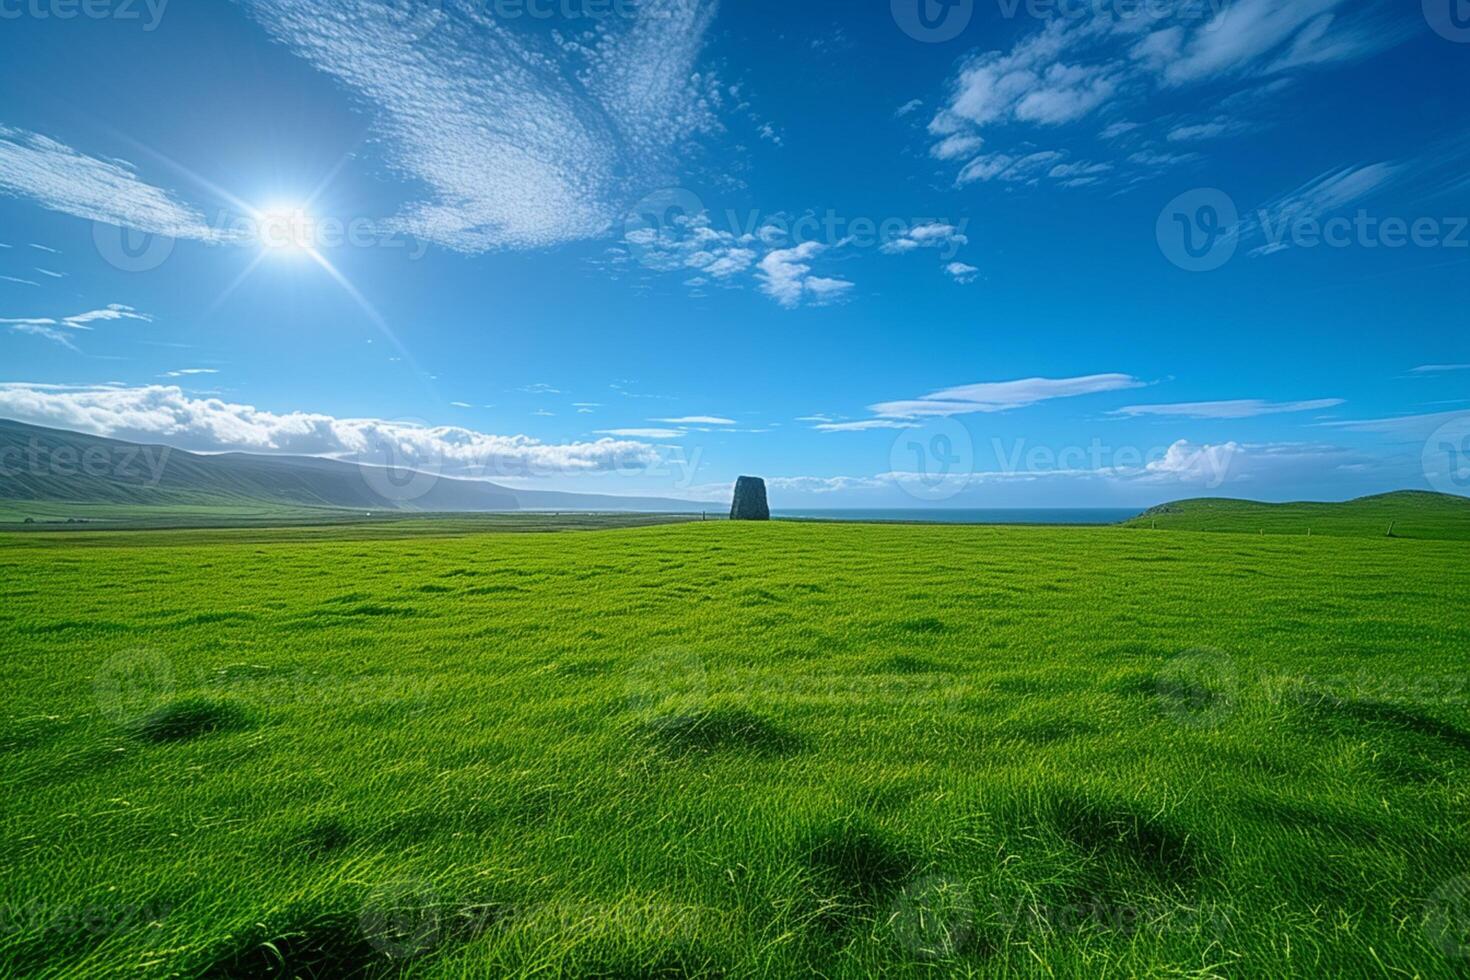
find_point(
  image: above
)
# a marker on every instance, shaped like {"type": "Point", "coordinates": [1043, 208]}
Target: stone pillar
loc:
{"type": "Point", "coordinates": [750, 500]}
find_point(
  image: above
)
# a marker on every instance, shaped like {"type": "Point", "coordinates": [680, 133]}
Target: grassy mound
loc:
{"type": "Point", "coordinates": [1406, 514]}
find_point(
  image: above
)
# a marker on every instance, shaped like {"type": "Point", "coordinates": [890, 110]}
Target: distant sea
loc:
{"type": "Point", "coordinates": [953, 515]}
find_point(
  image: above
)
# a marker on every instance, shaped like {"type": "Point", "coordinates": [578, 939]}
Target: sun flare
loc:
{"type": "Point", "coordinates": [286, 230]}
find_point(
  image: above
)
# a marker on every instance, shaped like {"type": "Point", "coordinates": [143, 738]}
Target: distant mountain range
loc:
{"type": "Point", "coordinates": [54, 466]}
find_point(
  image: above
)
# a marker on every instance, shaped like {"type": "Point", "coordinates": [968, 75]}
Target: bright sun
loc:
{"type": "Point", "coordinates": [286, 230]}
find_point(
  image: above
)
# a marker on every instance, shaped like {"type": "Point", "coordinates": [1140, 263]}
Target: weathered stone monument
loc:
{"type": "Point", "coordinates": [750, 500]}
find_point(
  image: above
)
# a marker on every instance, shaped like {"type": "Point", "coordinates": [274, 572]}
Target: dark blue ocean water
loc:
{"type": "Point", "coordinates": [945, 515]}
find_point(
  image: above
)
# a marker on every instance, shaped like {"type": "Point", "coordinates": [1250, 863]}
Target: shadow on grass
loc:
{"type": "Point", "coordinates": [1123, 838]}
{"type": "Point", "coordinates": [1330, 712]}
{"type": "Point", "coordinates": [855, 869]}
{"type": "Point", "coordinates": [180, 721]}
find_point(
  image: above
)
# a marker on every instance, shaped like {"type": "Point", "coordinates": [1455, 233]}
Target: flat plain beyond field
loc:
{"type": "Point", "coordinates": [738, 750]}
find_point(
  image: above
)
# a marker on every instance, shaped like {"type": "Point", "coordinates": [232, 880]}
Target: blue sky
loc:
{"type": "Point", "coordinates": [983, 253]}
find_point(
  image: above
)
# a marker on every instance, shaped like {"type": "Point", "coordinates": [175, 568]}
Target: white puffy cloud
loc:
{"type": "Point", "coordinates": [786, 276]}
{"type": "Point", "coordinates": [962, 273]}
{"type": "Point", "coordinates": [941, 235]}
{"type": "Point", "coordinates": [1075, 67]}
{"type": "Point", "coordinates": [689, 242]}
{"type": "Point", "coordinates": [159, 413]}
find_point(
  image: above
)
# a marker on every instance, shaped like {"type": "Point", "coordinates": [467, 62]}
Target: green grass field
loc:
{"type": "Point", "coordinates": [719, 749]}
{"type": "Point", "coordinates": [1406, 514]}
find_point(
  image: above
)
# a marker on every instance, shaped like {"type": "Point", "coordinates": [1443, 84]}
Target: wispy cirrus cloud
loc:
{"type": "Point", "coordinates": [163, 413]}
{"type": "Point", "coordinates": [189, 372]}
{"type": "Point", "coordinates": [865, 425]}
{"type": "Point", "coordinates": [521, 140]}
{"type": "Point", "coordinates": [643, 433]}
{"type": "Point", "coordinates": [62, 179]}
{"type": "Point", "coordinates": [1315, 199]}
{"type": "Point", "coordinates": [697, 420]}
{"type": "Point", "coordinates": [56, 329]}
{"type": "Point", "coordinates": [1243, 408]}
{"type": "Point", "coordinates": [1440, 368]}
{"type": "Point", "coordinates": [1001, 396]}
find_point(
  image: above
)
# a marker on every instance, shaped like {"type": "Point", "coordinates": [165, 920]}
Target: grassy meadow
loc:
{"type": "Point", "coordinates": [714, 749]}
{"type": "Point", "coordinates": [1406, 514]}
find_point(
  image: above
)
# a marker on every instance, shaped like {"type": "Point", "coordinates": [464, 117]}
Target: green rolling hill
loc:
{"type": "Point", "coordinates": [49, 475]}
{"type": "Point", "coordinates": [1405, 514]}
